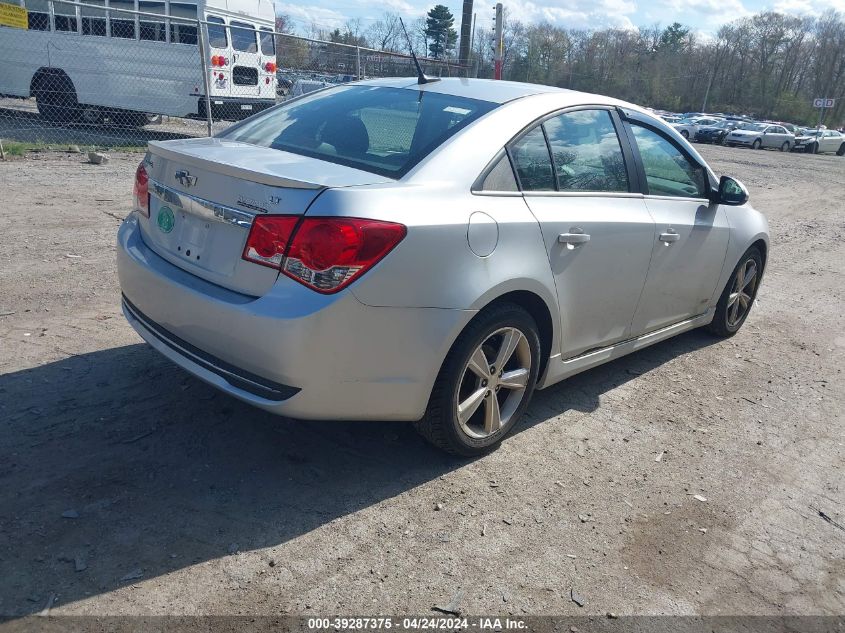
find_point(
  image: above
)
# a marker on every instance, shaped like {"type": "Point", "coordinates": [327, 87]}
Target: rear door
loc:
{"type": "Point", "coordinates": [267, 63]}
{"type": "Point", "coordinates": [220, 57]}
{"type": "Point", "coordinates": [245, 60]}
{"type": "Point", "coordinates": [597, 231]}
{"type": "Point", "coordinates": [691, 237]}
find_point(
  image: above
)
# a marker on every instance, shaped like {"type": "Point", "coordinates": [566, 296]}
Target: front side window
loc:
{"type": "Point", "coordinates": [122, 23]}
{"type": "Point", "coordinates": [64, 22]}
{"type": "Point", "coordinates": [530, 156]}
{"type": "Point", "coordinates": [586, 152]}
{"type": "Point", "coordinates": [268, 43]}
{"type": "Point", "coordinates": [93, 19]}
{"type": "Point", "coordinates": [217, 33]}
{"type": "Point", "coordinates": [152, 29]}
{"type": "Point", "coordinates": [381, 130]}
{"type": "Point", "coordinates": [243, 37]}
{"type": "Point", "coordinates": [38, 15]}
{"type": "Point", "coordinates": [668, 171]}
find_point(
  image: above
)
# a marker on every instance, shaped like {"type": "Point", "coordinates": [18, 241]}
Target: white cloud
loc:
{"type": "Point", "coordinates": [584, 14]}
{"type": "Point", "coordinates": [304, 16]}
{"type": "Point", "coordinates": [808, 7]}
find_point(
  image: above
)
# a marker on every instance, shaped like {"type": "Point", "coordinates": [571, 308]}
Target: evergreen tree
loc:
{"type": "Point", "coordinates": [439, 31]}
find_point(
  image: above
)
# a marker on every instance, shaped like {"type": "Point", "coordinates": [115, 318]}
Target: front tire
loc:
{"type": "Point", "coordinates": [56, 99]}
{"type": "Point", "coordinates": [485, 383]}
{"type": "Point", "coordinates": [739, 295]}
{"type": "Point", "coordinates": [685, 134]}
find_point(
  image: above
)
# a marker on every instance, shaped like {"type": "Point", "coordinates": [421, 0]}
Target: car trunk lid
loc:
{"type": "Point", "coordinates": [205, 193]}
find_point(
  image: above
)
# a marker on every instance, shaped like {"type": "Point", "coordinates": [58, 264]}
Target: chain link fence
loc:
{"type": "Point", "coordinates": [119, 73]}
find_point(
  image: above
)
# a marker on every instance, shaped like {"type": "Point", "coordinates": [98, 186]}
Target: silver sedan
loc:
{"type": "Point", "coordinates": [431, 252]}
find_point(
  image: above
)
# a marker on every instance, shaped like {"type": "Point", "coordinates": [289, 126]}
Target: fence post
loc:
{"type": "Point", "coordinates": [358, 62]}
{"type": "Point", "coordinates": [205, 81]}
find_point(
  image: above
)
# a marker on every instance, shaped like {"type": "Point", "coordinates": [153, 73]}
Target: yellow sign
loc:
{"type": "Point", "coordinates": [12, 15]}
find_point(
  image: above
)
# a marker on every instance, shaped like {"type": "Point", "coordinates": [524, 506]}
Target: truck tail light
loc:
{"type": "Point", "coordinates": [141, 191]}
{"type": "Point", "coordinates": [325, 254]}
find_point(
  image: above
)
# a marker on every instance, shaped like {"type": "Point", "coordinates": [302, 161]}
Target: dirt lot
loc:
{"type": "Point", "coordinates": [128, 487]}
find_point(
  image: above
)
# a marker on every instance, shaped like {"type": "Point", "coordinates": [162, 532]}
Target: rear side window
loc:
{"type": "Point", "coordinates": [586, 152]}
{"type": "Point", "coordinates": [243, 37]}
{"type": "Point", "coordinates": [532, 162]}
{"type": "Point", "coordinates": [217, 33]}
{"type": "Point", "coordinates": [381, 130]}
{"type": "Point", "coordinates": [500, 177]}
{"type": "Point", "coordinates": [667, 169]}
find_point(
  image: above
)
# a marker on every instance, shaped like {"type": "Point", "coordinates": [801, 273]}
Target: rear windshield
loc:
{"type": "Point", "coordinates": [243, 37]}
{"type": "Point", "coordinates": [385, 131]}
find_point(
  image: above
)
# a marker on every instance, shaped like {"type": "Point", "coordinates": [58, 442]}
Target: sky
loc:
{"type": "Point", "coordinates": [704, 16]}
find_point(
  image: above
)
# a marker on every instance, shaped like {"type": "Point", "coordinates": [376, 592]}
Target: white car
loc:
{"type": "Point", "coordinates": [760, 135]}
{"type": "Point", "coordinates": [688, 128]}
{"type": "Point", "coordinates": [821, 141]}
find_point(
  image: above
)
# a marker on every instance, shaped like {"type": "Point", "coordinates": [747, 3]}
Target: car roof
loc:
{"type": "Point", "coordinates": [483, 89]}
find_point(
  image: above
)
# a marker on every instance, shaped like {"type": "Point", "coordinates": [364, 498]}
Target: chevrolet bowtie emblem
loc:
{"type": "Point", "coordinates": [185, 179]}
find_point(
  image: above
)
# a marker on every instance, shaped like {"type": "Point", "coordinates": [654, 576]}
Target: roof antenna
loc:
{"type": "Point", "coordinates": [421, 76]}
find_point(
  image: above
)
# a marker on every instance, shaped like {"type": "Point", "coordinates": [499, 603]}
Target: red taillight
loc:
{"type": "Point", "coordinates": [215, 61]}
{"type": "Point", "coordinates": [141, 190]}
{"type": "Point", "coordinates": [270, 67]}
{"type": "Point", "coordinates": [268, 238]}
{"type": "Point", "coordinates": [325, 254]}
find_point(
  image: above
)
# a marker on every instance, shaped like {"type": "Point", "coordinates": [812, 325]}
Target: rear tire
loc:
{"type": "Point", "coordinates": [56, 99]}
{"type": "Point", "coordinates": [785, 146]}
{"type": "Point", "coordinates": [738, 296]}
{"type": "Point", "coordinates": [757, 144]}
{"type": "Point", "coordinates": [470, 429]}
{"type": "Point", "coordinates": [841, 150]}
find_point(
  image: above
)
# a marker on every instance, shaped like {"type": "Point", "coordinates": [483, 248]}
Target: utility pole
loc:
{"type": "Point", "coordinates": [499, 42]}
{"type": "Point", "coordinates": [472, 48]}
{"type": "Point", "coordinates": [466, 36]}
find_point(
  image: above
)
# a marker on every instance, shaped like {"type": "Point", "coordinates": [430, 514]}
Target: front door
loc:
{"type": "Point", "coordinates": [598, 235]}
{"type": "Point", "coordinates": [691, 234]}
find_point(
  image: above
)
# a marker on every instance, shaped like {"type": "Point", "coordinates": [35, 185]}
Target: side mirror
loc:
{"type": "Point", "coordinates": [731, 192]}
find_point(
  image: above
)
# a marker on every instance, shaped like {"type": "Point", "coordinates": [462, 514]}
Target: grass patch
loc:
{"type": "Point", "coordinates": [19, 148]}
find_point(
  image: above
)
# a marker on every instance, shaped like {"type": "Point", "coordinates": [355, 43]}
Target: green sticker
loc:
{"type": "Point", "coordinates": [165, 219]}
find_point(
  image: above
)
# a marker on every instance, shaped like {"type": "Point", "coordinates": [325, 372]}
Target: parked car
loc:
{"type": "Point", "coordinates": [715, 133]}
{"type": "Point", "coordinates": [820, 141]}
{"type": "Point", "coordinates": [689, 127]}
{"type": "Point", "coordinates": [430, 253]}
{"type": "Point", "coordinates": [760, 135]}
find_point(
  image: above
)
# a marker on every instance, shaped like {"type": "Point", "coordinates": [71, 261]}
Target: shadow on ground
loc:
{"type": "Point", "coordinates": [26, 126]}
{"type": "Point", "coordinates": [118, 465]}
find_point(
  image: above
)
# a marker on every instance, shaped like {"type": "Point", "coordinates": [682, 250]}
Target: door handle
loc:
{"type": "Point", "coordinates": [573, 238]}
{"type": "Point", "coordinates": [669, 236]}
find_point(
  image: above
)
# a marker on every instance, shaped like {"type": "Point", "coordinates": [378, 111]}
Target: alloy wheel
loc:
{"type": "Point", "coordinates": [493, 383]}
{"type": "Point", "coordinates": [742, 292]}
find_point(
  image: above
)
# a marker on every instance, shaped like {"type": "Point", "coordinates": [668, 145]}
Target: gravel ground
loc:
{"type": "Point", "coordinates": [128, 487]}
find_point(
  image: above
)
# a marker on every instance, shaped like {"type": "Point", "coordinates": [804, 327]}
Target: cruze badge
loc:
{"type": "Point", "coordinates": [185, 179]}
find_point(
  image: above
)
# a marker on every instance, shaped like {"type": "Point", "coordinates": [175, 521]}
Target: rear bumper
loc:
{"type": "Point", "coordinates": [292, 351]}
{"type": "Point", "coordinates": [234, 108]}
